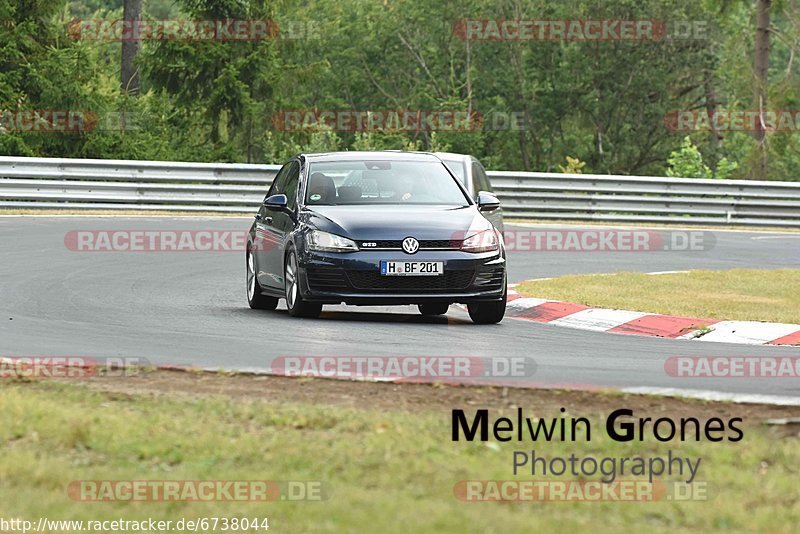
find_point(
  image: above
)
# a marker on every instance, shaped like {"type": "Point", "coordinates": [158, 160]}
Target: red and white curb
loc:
{"type": "Point", "coordinates": [714, 396]}
{"type": "Point", "coordinates": [649, 324]}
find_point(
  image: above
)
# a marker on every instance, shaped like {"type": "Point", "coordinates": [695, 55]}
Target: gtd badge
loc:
{"type": "Point", "coordinates": [369, 244]}
{"type": "Point", "coordinates": [410, 245]}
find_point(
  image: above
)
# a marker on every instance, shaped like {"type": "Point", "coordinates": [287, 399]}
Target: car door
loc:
{"type": "Point", "coordinates": [480, 181]}
{"type": "Point", "coordinates": [266, 241]}
{"type": "Point", "coordinates": [282, 224]}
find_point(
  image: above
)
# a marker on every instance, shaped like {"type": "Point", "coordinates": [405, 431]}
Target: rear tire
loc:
{"type": "Point", "coordinates": [433, 309]}
{"type": "Point", "coordinates": [294, 301]}
{"type": "Point", "coordinates": [255, 299]}
{"type": "Point", "coordinates": [488, 312]}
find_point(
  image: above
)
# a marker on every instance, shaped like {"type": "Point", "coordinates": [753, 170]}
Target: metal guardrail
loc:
{"type": "Point", "coordinates": [586, 197]}
{"type": "Point", "coordinates": [78, 184]}
{"type": "Point", "coordinates": [238, 188]}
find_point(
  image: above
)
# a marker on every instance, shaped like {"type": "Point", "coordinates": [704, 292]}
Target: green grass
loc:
{"type": "Point", "coordinates": [387, 471]}
{"type": "Point", "coordinates": [738, 294]}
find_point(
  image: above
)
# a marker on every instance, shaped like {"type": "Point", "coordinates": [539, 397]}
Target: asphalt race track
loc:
{"type": "Point", "coordinates": [189, 308]}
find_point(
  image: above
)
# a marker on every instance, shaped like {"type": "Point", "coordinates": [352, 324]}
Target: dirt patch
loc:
{"type": "Point", "coordinates": [421, 397]}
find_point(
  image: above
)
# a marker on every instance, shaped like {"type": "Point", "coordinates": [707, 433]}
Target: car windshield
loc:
{"type": "Point", "coordinates": [382, 182]}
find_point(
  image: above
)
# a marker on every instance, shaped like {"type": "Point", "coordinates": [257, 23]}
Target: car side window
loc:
{"type": "Point", "coordinates": [480, 178]}
{"type": "Point", "coordinates": [278, 184]}
{"type": "Point", "coordinates": [291, 186]}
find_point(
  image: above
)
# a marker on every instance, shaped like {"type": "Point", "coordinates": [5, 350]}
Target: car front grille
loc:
{"type": "Point", "coordinates": [490, 279]}
{"type": "Point", "coordinates": [337, 280]}
{"type": "Point", "coordinates": [373, 281]}
{"type": "Point", "coordinates": [327, 280]}
{"type": "Point", "coordinates": [425, 244]}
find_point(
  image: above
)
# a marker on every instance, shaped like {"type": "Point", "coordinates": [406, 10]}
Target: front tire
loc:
{"type": "Point", "coordinates": [294, 301]}
{"type": "Point", "coordinates": [488, 312]}
{"type": "Point", "coordinates": [255, 299]}
{"type": "Point", "coordinates": [433, 309]}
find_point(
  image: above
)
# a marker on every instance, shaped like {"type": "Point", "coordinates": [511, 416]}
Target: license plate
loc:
{"type": "Point", "coordinates": [412, 268]}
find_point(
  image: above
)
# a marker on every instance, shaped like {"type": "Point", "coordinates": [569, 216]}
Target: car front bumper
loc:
{"type": "Point", "coordinates": [354, 278]}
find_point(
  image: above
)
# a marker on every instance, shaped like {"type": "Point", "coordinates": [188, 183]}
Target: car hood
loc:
{"type": "Point", "coordinates": [398, 222]}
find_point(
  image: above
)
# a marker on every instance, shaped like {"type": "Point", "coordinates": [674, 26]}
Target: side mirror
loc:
{"type": "Point", "coordinates": [276, 203]}
{"type": "Point", "coordinates": [487, 201]}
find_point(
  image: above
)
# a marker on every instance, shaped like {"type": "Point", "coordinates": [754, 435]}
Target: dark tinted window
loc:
{"type": "Point", "coordinates": [290, 188]}
{"type": "Point", "coordinates": [280, 180]}
{"type": "Point", "coordinates": [286, 183]}
{"type": "Point", "coordinates": [480, 179]}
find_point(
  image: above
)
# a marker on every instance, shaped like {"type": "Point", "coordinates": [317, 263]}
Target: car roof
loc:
{"type": "Point", "coordinates": [392, 155]}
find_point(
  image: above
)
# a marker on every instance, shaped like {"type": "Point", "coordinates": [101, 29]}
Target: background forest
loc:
{"type": "Point", "coordinates": [603, 104]}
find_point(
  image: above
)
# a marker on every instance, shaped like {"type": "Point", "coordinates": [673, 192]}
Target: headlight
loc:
{"type": "Point", "coordinates": [325, 242]}
{"type": "Point", "coordinates": [485, 241]}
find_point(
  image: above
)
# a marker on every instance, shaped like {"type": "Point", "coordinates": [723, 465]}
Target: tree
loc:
{"type": "Point", "coordinates": [761, 66]}
{"type": "Point", "coordinates": [129, 73]}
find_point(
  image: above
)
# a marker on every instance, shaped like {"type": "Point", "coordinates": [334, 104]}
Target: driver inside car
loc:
{"type": "Point", "coordinates": [405, 190]}
{"type": "Point", "coordinates": [321, 189]}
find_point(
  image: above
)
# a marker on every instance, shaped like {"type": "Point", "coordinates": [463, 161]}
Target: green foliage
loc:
{"type": "Point", "coordinates": [378, 140]}
{"type": "Point", "coordinates": [320, 139]}
{"type": "Point", "coordinates": [437, 144]}
{"type": "Point", "coordinates": [687, 162]}
{"type": "Point", "coordinates": [725, 169]}
{"type": "Point", "coordinates": [601, 103]}
{"type": "Point", "coordinates": [574, 166]}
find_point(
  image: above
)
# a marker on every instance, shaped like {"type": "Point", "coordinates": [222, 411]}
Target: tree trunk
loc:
{"type": "Point", "coordinates": [761, 83]}
{"type": "Point", "coordinates": [129, 75]}
{"type": "Point", "coordinates": [714, 135]}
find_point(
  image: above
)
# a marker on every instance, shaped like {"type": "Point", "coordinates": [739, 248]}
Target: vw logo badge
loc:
{"type": "Point", "coordinates": [410, 245]}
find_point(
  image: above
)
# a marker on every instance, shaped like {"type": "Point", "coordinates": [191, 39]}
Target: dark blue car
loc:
{"type": "Point", "coordinates": [375, 228]}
